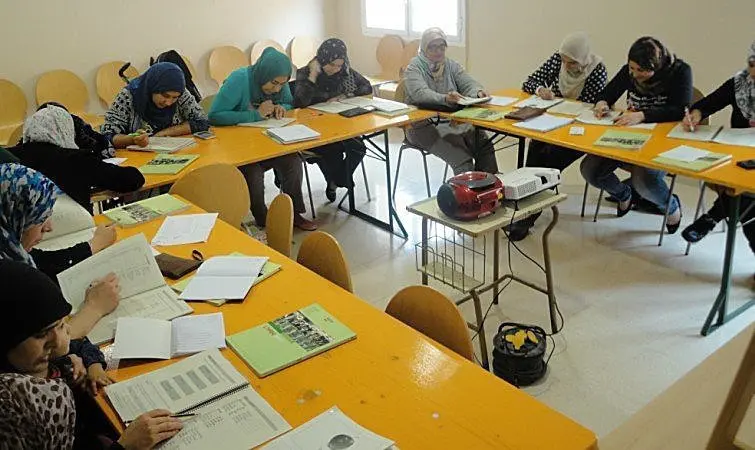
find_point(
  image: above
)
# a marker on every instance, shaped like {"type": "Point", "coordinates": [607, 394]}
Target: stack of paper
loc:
{"type": "Point", "coordinates": [145, 210]}
{"type": "Point", "coordinates": [622, 139]}
{"type": "Point", "coordinates": [537, 102]}
{"type": "Point", "coordinates": [224, 277]}
{"type": "Point", "coordinates": [544, 123]}
{"type": "Point", "coordinates": [143, 289]}
{"type": "Point", "coordinates": [164, 144]}
{"type": "Point", "coordinates": [71, 225]}
{"type": "Point", "coordinates": [141, 337]}
{"type": "Point", "coordinates": [736, 136]}
{"type": "Point", "coordinates": [167, 164]}
{"type": "Point", "coordinates": [702, 133]}
{"type": "Point", "coordinates": [496, 100]}
{"type": "Point", "coordinates": [292, 134]}
{"type": "Point", "coordinates": [269, 123]}
{"type": "Point", "coordinates": [467, 101]}
{"type": "Point", "coordinates": [588, 117]}
{"type": "Point", "coordinates": [691, 158]}
{"type": "Point", "coordinates": [186, 229]}
{"type": "Point", "coordinates": [571, 108]}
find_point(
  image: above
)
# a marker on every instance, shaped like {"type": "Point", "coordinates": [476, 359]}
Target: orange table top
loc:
{"type": "Point", "coordinates": [244, 145]}
{"type": "Point", "coordinates": [390, 379]}
{"type": "Point", "coordinates": [728, 174]}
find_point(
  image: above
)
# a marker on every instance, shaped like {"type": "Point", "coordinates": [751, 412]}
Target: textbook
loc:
{"type": "Point", "coordinates": [164, 144]}
{"type": "Point", "coordinates": [145, 210]}
{"type": "Point", "coordinates": [287, 340]}
{"type": "Point", "coordinates": [484, 114]}
{"type": "Point", "coordinates": [71, 225]}
{"type": "Point", "coordinates": [292, 134]}
{"type": "Point", "coordinates": [228, 412]}
{"type": "Point", "coordinates": [622, 139]}
{"type": "Point", "coordinates": [144, 292]}
{"type": "Point", "coordinates": [167, 164]}
{"type": "Point", "coordinates": [693, 159]}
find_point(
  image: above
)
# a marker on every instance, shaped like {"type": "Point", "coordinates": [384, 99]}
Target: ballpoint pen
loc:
{"type": "Point", "coordinates": [689, 119]}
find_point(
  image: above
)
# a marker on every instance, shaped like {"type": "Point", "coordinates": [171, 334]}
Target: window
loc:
{"type": "Point", "coordinates": [409, 18]}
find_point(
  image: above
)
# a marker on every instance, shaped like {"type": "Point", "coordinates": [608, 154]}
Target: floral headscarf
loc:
{"type": "Point", "coordinates": [51, 125]}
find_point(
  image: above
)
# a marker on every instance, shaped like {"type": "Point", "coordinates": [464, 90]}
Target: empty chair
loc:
{"type": "Point", "coordinates": [109, 82]}
{"type": "Point", "coordinates": [410, 51]}
{"type": "Point", "coordinates": [434, 315]}
{"type": "Point", "coordinates": [64, 87]}
{"type": "Point", "coordinates": [280, 224]}
{"type": "Point", "coordinates": [206, 103]}
{"type": "Point", "coordinates": [224, 60]}
{"type": "Point", "coordinates": [15, 136]}
{"type": "Point", "coordinates": [12, 109]}
{"type": "Point", "coordinates": [260, 46]}
{"type": "Point", "coordinates": [302, 49]}
{"type": "Point", "coordinates": [389, 53]}
{"type": "Point", "coordinates": [219, 188]}
{"type": "Point", "coordinates": [321, 253]}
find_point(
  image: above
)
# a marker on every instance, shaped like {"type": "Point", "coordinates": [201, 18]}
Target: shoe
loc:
{"type": "Point", "coordinates": [330, 192]}
{"type": "Point", "coordinates": [698, 229]}
{"type": "Point", "coordinates": [623, 212]}
{"type": "Point", "coordinates": [517, 231]}
{"type": "Point", "coordinates": [304, 224]}
{"type": "Point", "coordinates": [671, 229]}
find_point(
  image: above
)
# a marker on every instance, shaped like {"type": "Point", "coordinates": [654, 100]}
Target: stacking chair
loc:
{"type": "Point", "coordinates": [410, 51]}
{"type": "Point", "coordinates": [15, 136]}
{"type": "Point", "coordinates": [12, 110]}
{"type": "Point", "coordinates": [64, 87]}
{"type": "Point", "coordinates": [219, 188]}
{"type": "Point", "coordinates": [280, 224]}
{"type": "Point", "coordinates": [109, 83]}
{"type": "Point", "coordinates": [206, 103]}
{"type": "Point", "coordinates": [260, 46]}
{"type": "Point", "coordinates": [321, 253]}
{"type": "Point", "coordinates": [302, 49]}
{"type": "Point", "coordinates": [434, 315]}
{"type": "Point", "coordinates": [223, 61]}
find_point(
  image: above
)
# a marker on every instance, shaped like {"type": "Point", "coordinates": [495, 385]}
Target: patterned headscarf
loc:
{"type": "Point", "coordinates": [435, 69]}
{"type": "Point", "coordinates": [26, 198]}
{"type": "Point", "coordinates": [331, 50]}
{"type": "Point", "coordinates": [744, 88]}
{"type": "Point", "coordinates": [51, 125]}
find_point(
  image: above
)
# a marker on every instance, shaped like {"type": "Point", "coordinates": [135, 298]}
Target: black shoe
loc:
{"type": "Point", "coordinates": [517, 230]}
{"type": "Point", "coordinates": [671, 229]}
{"type": "Point", "coordinates": [623, 212]}
{"type": "Point", "coordinates": [330, 192]}
{"type": "Point", "coordinates": [698, 229]}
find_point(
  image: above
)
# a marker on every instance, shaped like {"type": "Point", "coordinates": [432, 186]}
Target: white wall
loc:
{"type": "Point", "coordinates": [79, 35]}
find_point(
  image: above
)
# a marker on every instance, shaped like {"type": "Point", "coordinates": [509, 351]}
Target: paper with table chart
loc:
{"type": "Point", "coordinates": [269, 123]}
{"type": "Point", "coordinates": [143, 337]}
{"type": "Point", "coordinates": [226, 277]}
{"type": "Point", "coordinates": [544, 123]}
{"type": "Point", "coordinates": [537, 102]}
{"type": "Point", "coordinates": [143, 289]}
{"type": "Point", "coordinates": [497, 100]}
{"type": "Point", "coordinates": [736, 136]}
{"type": "Point", "coordinates": [702, 133]}
{"type": "Point", "coordinates": [589, 118]}
{"type": "Point", "coordinates": [186, 229]}
{"type": "Point", "coordinates": [71, 225]}
{"type": "Point", "coordinates": [571, 108]}
{"type": "Point", "coordinates": [330, 430]}
{"type": "Point", "coordinates": [331, 107]}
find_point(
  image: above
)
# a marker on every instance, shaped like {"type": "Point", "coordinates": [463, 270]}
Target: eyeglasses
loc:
{"type": "Point", "coordinates": [436, 48]}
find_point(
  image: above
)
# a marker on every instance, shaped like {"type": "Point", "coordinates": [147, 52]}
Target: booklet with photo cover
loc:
{"type": "Point", "coordinates": [145, 210]}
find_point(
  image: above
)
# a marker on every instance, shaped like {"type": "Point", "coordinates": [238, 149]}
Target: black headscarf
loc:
{"type": "Point", "coordinates": [174, 57]}
{"type": "Point", "coordinates": [341, 83]}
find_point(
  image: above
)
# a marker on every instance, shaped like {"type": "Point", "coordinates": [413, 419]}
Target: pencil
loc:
{"type": "Point", "coordinates": [174, 416]}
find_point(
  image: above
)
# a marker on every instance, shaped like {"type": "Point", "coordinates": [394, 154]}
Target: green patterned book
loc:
{"type": "Point", "coordinates": [167, 164]}
{"type": "Point", "coordinates": [484, 114]}
{"type": "Point", "coordinates": [145, 210]}
{"type": "Point", "coordinates": [285, 341]}
{"type": "Point", "coordinates": [622, 139]}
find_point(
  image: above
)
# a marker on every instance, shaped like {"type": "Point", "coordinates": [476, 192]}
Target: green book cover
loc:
{"type": "Point", "coordinates": [145, 210]}
{"type": "Point", "coordinates": [487, 115]}
{"type": "Point", "coordinates": [698, 165]}
{"type": "Point", "coordinates": [167, 164]}
{"type": "Point", "coordinates": [285, 341]}
{"type": "Point", "coordinates": [622, 139]}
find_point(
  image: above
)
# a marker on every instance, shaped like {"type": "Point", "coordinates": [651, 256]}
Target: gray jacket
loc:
{"type": "Point", "coordinates": [422, 89]}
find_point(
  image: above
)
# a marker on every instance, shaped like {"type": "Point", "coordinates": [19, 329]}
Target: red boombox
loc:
{"type": "Point", "coordinates": [470, 195]}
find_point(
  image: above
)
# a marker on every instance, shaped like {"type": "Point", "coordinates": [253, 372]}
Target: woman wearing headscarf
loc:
{"type": "Point", "coordinates": [433, 81]}
{"type": "Point", "coordinates": [49, 146]}
{"type": "Point", "coordinates": [329, 77]}
{"type": "Point", "coordinates": [574, 73]}
{"type": "Point", "coordinates": [156, 103]}
{"type": "Point", "coordinates": [255, 93]}
{"type": "Point", "coordinates": [739, 93]}
{"type": "Point", "coordinates": [27, 199]}
{"type": "Point", "coordinates": [658, 87]}
{"type": "Point", "coordinates": [37, 407]}
{"type": "Point", "coordinates": [85, 136]}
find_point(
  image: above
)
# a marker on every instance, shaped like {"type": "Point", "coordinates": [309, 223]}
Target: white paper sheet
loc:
{"type": "Point", "coordinates": [294, 133]}
{"type": "Point", "coordinates": [544, 123]}
{"type": "Point", "coordinates": [570, 108]}
{"type": "Point", "coordinates": [115, 161]}
{"type": "Point", "coordinates": [589, 118]}
{"type": "Point", "coordinates": [467, 101]}
{"type": "Point", "coordinates": [685, 153]}
{"type": "Point", "coordinates": [496, 100]}
{"type": "Point", "coordinates": [269, 123]}
{"type": "Point", "coordinates": [537, 102]}
{"type": "Point", "coordinates": [142, 337]}
{"type": "Point", "coordinates": [197, 333]}
{"type": "Point", "coordinates": [185, 229]}
{"type": "Point", "coordinates": [736, 136]}
{"type": "Point", "coordinates": [703, 133]}
{"type": "Point", "coordinates": [224, 277]}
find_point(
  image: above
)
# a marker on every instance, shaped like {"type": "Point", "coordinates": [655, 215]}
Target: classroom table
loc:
{"type": "Point", "coordinates": [390, 379]}
{"type": "Point", "coordinates": [729, 175]}
{"type": "Point", "coordinates": [240, 146]}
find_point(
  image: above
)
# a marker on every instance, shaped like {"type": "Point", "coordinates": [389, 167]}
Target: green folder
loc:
{"type": "Point", "coordinates": [484, 114]}
{"type": "Point", "coordinates": [700, 164]}
{"type": "Point", "coordinates": [145, 210]}
{"type": "Point", "coordinates": [622, 139]}
{"type": "Point", "coordinates": [285, 341]}
{"type": "Point", "coordinates": [167, 164]}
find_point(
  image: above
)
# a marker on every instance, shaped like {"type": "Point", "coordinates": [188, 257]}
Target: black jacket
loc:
{"type": "Point", "coordinates": [720, 99]}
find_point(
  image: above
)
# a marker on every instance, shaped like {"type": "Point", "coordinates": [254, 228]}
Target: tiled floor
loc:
{"type": "Point", "coordinates": [632, 310]}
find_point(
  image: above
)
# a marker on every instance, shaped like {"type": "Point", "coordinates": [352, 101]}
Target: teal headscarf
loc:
{"type": "Point", "coordinates": [270, 65]}
{"type": "Point", "coordinates": [26, 199]}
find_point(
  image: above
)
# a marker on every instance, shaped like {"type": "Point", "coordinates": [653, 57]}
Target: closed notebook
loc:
{"type": "Point", "coordinates": [544, 123]}
{"type": "Point", "coordinates": [146, 210]}
{"type": "Point", "coordinates": [692, 159]}
{"type": "Point", "coordinates": [484, 114]}
{"type": "Point", "coordinates": [285, 341]}
{"type": "Point", "coordinates": [292, 134]}
{"type": "Point", "coordinates": [167, 164]}
{"type": "Point", "coordinates": [525, 113]}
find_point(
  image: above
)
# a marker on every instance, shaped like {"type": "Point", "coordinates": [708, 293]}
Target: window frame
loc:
{"type": "Point", "coordinates": [407, 33]}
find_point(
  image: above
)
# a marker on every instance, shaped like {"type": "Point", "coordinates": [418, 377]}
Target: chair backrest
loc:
{"type": "Point", "coordinates": [16, 135]}
{"type": "Point", "coordinates": [280, 224]}
{"type": "Point", "coordinates": [259, 46]}
{"type": "Point", "coordinates": [434, 315]}
{"type": "Point", "coordinates": [109, 83]}
{"type": "Point", "coordinates": [698, 95]}
{"type": "Point", "coordinates": [64, 87]}
{"type": "Point", "coordinates": [400, 94]}
{"type": "Point", "coordinates": [219, 188]}
{"type": "Point", "coordinates": [206, 103]}
{"type": "Point", "coordinates": [223, 61]}
{"type": "Point", "coordinates": [321, 253]}
{"type": "Point", "coordinates": [389, 53]}
{"type": "Point", "coordinates": [12, 104]}
{"type": "Point", "coordinates": [302, 49]}
{"type": "Point", "coordinates": [188, 63]}
{"type": "Point", "coordinates": [410, 51]}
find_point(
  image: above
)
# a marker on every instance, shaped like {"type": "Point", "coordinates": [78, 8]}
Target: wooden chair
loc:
{"type": "Point", "coordinates": [260, 46]}
{"type": "Point", "coordinates": [280, 224]}
{"type": "Point", "coordinates": [389, 53]}
{"type": "Point", "coordinates": [321, 253]}
{"type": "Point", "coordinates": [434, 315]}
{"type": "Point", "coordinates": [223, 61]}
{"type": "Point", "coordinates": [410, 51]}
{"type": "Point", "coordinates": [15, 136]}
{"type": "Point", "coordinates": [109, 83]}
{"type": "Point", "coordinates": [188, 63]}
{"type": "Point", "coordinates": [301, 50]}
{"type": "Point", "coordinates": [206, 103]}
{"type": "Point", "coordinates": [219, 188]}
{"type": "Point", "coordinates": [12, 104]}
{"type": "Point", "coordinates": [64, 87]}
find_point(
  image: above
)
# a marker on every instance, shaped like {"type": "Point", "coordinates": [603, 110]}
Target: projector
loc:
{"type": "Point", "coordinates": [528, 181]}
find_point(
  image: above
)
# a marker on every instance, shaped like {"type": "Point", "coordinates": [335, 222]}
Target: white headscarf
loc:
{"type": "Point", "coordinates": [51, 125]}
{"type": "Point", "coordinates": [435, 69]}
{"type": "Point", "coordinates": [744, 89]}
{"type": "Point", "coordinates": [577, 47]}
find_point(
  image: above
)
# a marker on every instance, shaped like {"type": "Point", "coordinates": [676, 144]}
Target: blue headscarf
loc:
{"type": "Point", "coordinates": [161, 77]}
{"type": "Point", "coordinates": [271, 64]}
{"type": "Point", "coordinates": [26, 199]}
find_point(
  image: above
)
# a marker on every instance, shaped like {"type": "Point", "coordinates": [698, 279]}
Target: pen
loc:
{"type": "Point", "coordinates": [174, 416]}
{"type": "Point", "coordinates": [689, 119]}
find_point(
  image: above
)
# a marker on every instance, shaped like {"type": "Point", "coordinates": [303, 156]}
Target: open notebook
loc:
{"type": "Point", "coordinates": [71, 225]}
{"type": "Point", "coordinates": [146, 210]}
{"type": "Point", "coordinates": [269, 123]}
{"type": "Point", "coordinates": [389, 108]}
{"type": "Point", "coordinates": [226, 277]}
{"type": "Point", "coordinates": [544, 123]}
{"type": "Point", "coordinates": [229, 413]}
{"type": "Point", "coordinates": [292, 134]}
{"type": "Point", "coordinates": [143, 289]}
{"type": "Point", "coordinates": [537, 102]}
{"type": "Point", "coordinates": [165, 144]}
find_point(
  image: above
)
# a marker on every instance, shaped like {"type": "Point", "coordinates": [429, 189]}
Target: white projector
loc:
{"type": "Point", "coordinates": [528, 181]}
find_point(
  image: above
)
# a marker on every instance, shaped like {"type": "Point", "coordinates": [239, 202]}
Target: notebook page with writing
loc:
{"type": "Point", "coordinates": [736, 136]}
{"type": "Point", "coordinates": [185, 229]}
{"type": "Point", "coordinates": [165, 144]}
{"type": "Point", "coordinates": [589, 118]}
{"type": "Point", "coordinates": [193, 334]}
{"type": "Point", "coordinates": [702, 133]}
{"type": "Point", "coordinates": [71, 225]}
